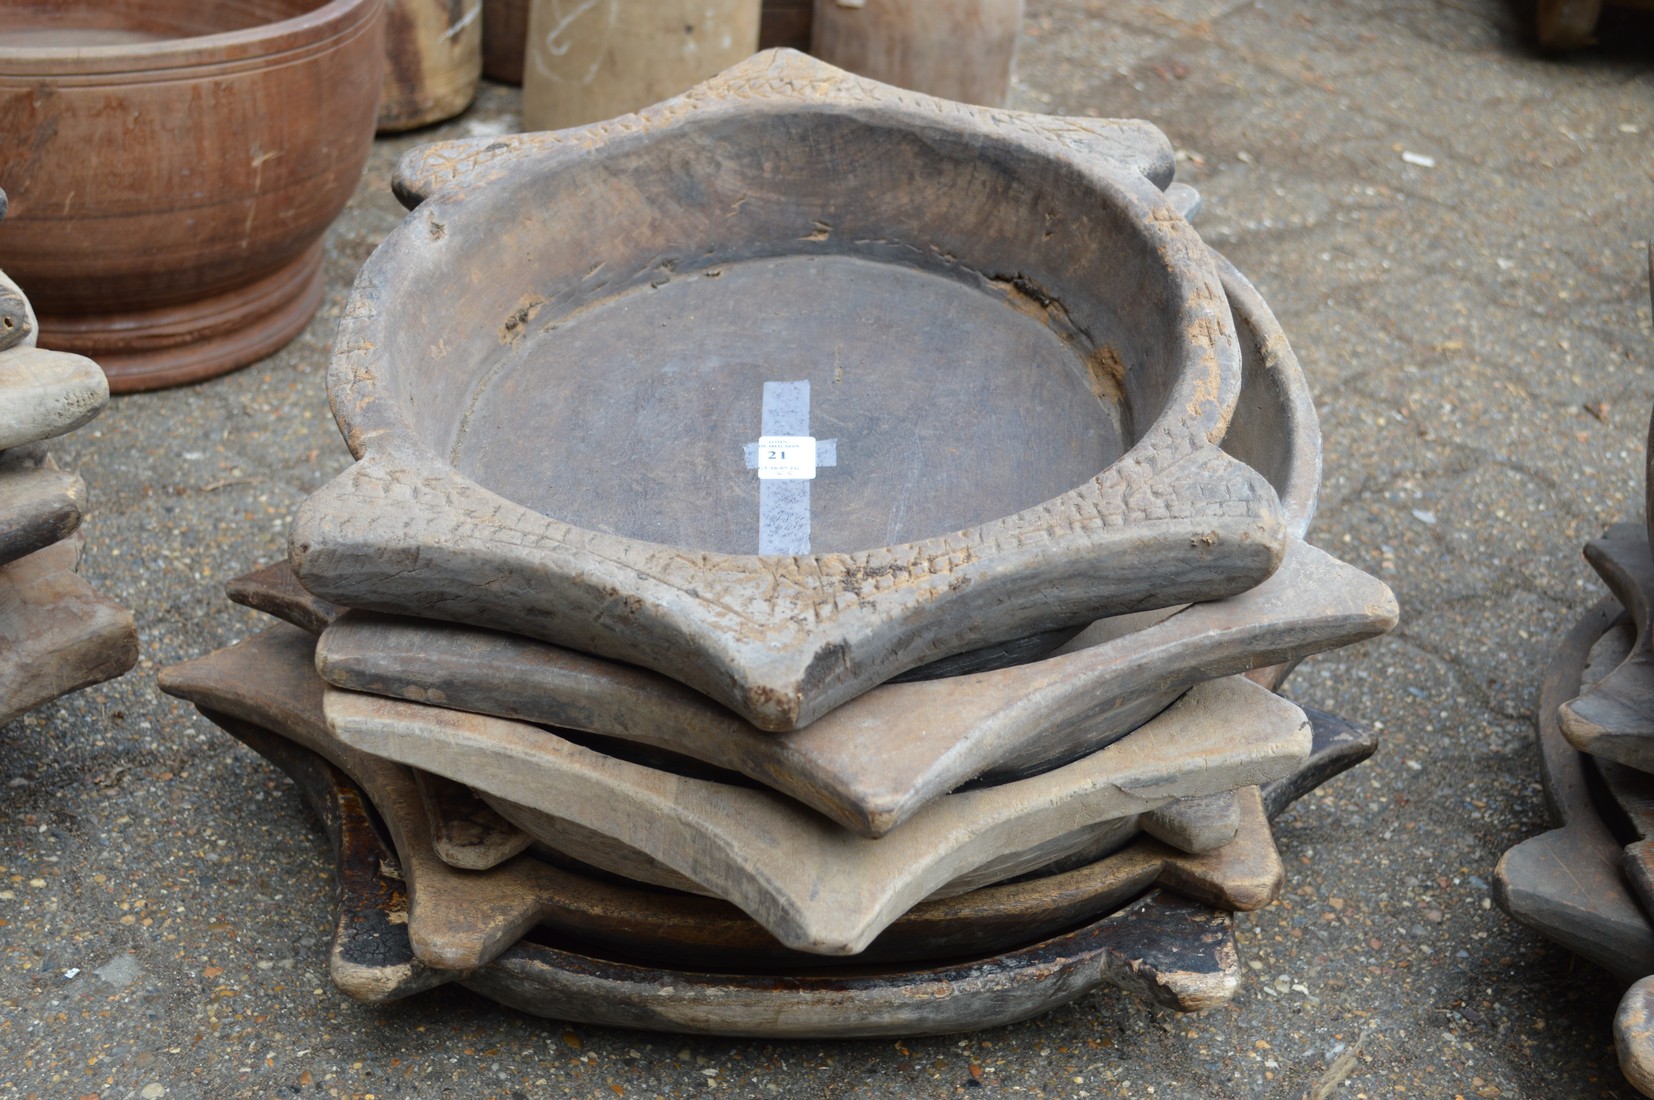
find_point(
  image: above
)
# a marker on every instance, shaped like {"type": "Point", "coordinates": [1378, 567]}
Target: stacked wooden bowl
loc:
{"type": "Point", "coordinates": [57, 635]}
{"type": "Point", "coordinates": [1589, 883]}
{"type": "Point", "coordinates": [817, 563]}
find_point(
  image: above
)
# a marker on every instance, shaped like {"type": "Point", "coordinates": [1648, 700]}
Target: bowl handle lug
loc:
{"type": "Point", "coordinates": [424, 171]}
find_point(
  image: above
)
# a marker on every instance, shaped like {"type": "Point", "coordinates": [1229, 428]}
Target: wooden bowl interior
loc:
{"type": "Point", "coordinates": [982, 330]}
{"type": "Point", "coordinates": [68, 23]}
{"type": "Point", "coordinates": [1274, 429]}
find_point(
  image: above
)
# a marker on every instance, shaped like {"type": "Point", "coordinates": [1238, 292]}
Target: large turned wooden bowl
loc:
{"type": "Point", "coordinates": [1017, 358]}
{"type": "Point", "coordinates": [172, 166]}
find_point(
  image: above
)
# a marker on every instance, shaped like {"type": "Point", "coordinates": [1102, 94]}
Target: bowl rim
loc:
{"type": "Point", "coordinates": [1206, 379]}
{"type": "Point", "coordinates": [784, 639]}
{"type": "Point", "coordinates": [323, 22]}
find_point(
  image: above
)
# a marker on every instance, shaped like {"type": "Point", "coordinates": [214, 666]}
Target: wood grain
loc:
{"type": "Point", "coordinates": [1614, 717]}
{"type": "Point", "coordinates": [275, 591]}
{"type": "Point", "coordinates": [44, 394]}
{"type": "Point", "coordinates": [465, 833]}
{"type": "Point", "coordinates": [1173, 953]}
{"type": "Point", "coordinates": [783, 640]}
{"type": "Point", "coordinates": [956, 49]}
{"type": "Point", "coordinates": [374, 959]}
{"type": "Point", "coordinates": [433, 60]}
{"type": "Point", "coordinates": [1568, 883]}
{"type": "Point", "coordinates": [875, 761]}
{"type": "Point", "coordinates": [57, 635]}
{"type": "Point", "coordinates": [504, 39]}
{"type": "Point", "coordinates": [38, 507]}
{"type": "Point", "coordinates": [459, 920]}
{"type": "Point", "coordinates": [816, 886]}
{"type": "Point", "coordinates": [601, 924]}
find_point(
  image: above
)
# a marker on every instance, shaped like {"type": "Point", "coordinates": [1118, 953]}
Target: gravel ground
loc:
{"type": "Point", "coordinates": [1451, 230]}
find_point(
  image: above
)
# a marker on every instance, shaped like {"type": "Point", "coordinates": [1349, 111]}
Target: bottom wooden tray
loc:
{"type": "Point", "coordinates": [1170, 951]}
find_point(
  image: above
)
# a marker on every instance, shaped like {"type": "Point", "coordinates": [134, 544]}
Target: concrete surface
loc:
{"type": "Point", "coordinates": [1451, 230]}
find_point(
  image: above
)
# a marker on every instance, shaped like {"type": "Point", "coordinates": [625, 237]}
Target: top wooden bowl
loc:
{"type": "Point", "coordinates": [1020, 354]}
{"type": "Point", "coordinates": [172, 168]}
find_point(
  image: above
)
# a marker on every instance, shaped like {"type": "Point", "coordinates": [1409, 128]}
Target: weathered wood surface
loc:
{"type": "Point", "coordinates": [876, 760]}
{"type": "Point", "coordinates": [275, 591]}
{"type": "Point", "coordinates": [814, 885]}
{"type": "Point", "coordinates": [586, 62]}
{"type": "Point", "coordinates": [638, 924]}
{"type": "Point", "coordinates": [1173, 953]}
{"type": "Point", "coordinates": [1626, 802]}
{"type": "Point", "coordinates": [57, 635]}
{"type": "Point", "coordinates": [1169, 952]}
{"type": "Point", "coordinates": [268, 681]}
{"type": "Point", "coordinates": [1196, 824]}
{"type": "Point", "coordinates": [504, 39]}
{"type": "Point", "coordinates": [38, 507]}
{"type": "Point", "coordinates": [1568, 883]}
{"type": "Point", "coordinates": [44, 394]}
{"type": "Point", "coordinates": [1339, 746]}
{"type": "Point", "coordinates": [465, 833]}
{"type": "Point", "coordinates": [459, 920]}
{"type": "Point", "coordinates": [17, 322]}
{"type": "Point", "coordinates": [956, 49]}
{"type": "Point", "coordinates": [1275, 429]}
{"type": "Point", "coordinates": [373, 958]}
{"type": "Point", "coordinates": [540, 979]}
{"type": "Point", "coordinates": [1614, 718]}
{"type": "Point", "coordinates": [433, 60]}
{"type": "Point", "coordinates": [781, 639]}
{"type": "Point", "coordinates": [641, 924]}
{"type": "Point", "coordinates": [206, 254]}
{"type": "Point", "coordinates": [1634, 1035]}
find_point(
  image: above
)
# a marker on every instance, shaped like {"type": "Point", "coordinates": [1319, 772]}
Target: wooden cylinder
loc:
{"type": "Point", "coordinates": [504, 36]}
{"type": "Point", "coordinates": [193, 244]}
{"type": "Point", "coordinates": [786, 23]}
{"type": "Point", "coordinates": [956, 49]}
{"type": "Point", "coordinates": [591, 61]}
{"type": "Point", "coordinates": [433, 60]}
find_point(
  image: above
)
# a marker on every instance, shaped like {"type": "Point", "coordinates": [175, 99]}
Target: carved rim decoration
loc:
{"type": "Point", "coordinates": [783, 640]}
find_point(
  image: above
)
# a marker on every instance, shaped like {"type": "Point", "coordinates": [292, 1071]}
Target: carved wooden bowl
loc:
{"type": "Point", "coordinates": [873, 761]}
{"type": "Point", "coordinates": [1021, 354]}
{"type": "Point", "coordinates": [408, 922]}
{"type": "Point", "coordinates": [1570, 883]}
{"type": "Point", "coordinates": [174, 167]}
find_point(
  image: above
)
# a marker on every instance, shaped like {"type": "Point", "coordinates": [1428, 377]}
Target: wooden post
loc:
{"type": "Point", "coordinates": [433, 59]}
{"type": "Point", "coordinates": [591, 61]}
{"type": "Point", "coordinates": [786, 23]}
{"type": "Point", "coordinates": [956, 49]}
{"type": "Point", "coordinates": [504, 37]}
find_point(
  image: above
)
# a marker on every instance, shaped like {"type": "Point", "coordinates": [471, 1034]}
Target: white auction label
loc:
{"type": "Point", "coordinates": [786, 457]}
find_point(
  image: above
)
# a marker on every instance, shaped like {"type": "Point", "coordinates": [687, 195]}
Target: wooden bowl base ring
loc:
{"type": "Point", "coordinates": [178, 344]}
{"type": "Point", "coordinates": [1168, 951]}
